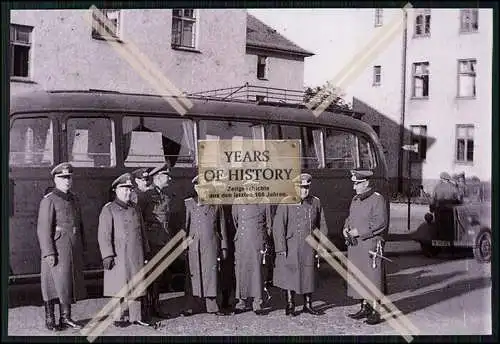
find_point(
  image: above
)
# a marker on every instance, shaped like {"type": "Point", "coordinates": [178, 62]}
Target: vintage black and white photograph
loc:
{"type": "Point", "coordinates": [353, 197]}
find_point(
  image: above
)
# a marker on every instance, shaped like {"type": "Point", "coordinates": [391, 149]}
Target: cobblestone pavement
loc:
{"type": "Point", "coordinates": [440, 296]}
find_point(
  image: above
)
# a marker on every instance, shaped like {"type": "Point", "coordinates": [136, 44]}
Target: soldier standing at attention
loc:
{"type": "Point", "coordinates": [253, 225]}
{"type": "Point", "coordinates": [123, 245]}
{"type": "Point", "coordinates": [206, 225]}
{"type": "Point", "coordinates": [367, 224]}
{"type": "Point", "coordinates": [295, 258]}
{"type": "Point", "coordinates": [60, 234]}
{"type": "Point", "coordinates": [155, 203]}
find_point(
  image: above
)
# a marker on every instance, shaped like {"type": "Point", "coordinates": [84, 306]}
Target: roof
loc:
{"type": "Point", "coordinates": [260, 35]}
{"type": "Point", "coordinates": [116, 102]}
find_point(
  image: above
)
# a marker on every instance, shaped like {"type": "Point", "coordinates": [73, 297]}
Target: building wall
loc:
{"type": "Point", "coordinates": [283, 72]}
{"type": "Point", "coordinates": [442, 111]}
{"type": "Point", "coordinates": [64, 55]}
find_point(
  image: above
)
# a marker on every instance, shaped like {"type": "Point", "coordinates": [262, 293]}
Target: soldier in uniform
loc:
{"type": "Point", "coordinates": [367, 224]}
{"type": "Point", "coordinates": [206, 225]}
{"type": "Point", "coordinates": [123, 246]}
{"type": "Point", "coordinates": [142, 184]}
{"type": "Point", "coordinates": [295, 258]}
{"type": "Point", "coordinates": [253, 226]}
{"type": "Point", "coordinates": [60, 234]}
{"type": "Point", "coordinates": [154, 203]}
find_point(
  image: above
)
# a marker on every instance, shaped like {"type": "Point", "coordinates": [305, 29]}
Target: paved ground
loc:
{"type": "Point", "coordinates": [446, 295]}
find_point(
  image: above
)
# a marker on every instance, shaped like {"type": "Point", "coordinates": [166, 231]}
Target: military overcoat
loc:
{"type": "Point", "coordinates": [367, 214]}
{"type": "Point", "coordinates": [252, 223]}
{"type": "Point", "coordinates": [206, 225]}
{"type": "Point", "coordinates": [291, 226]}
{"type": "Point", "coordinates": [60, 233]}
{"type": "Point", "coordinates": [121, 235]}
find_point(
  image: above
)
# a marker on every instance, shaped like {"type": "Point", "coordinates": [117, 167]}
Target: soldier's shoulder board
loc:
{"type": "Point", "coordinates": [188, 200]}
{"type": "Point", "coordinates": [107, 205]}
{"type": "Point", "coordinates": [48, 195]}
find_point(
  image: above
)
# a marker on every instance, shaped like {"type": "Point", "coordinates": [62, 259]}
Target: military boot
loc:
{"type": "Point", "coordinates": [364, 311]}
{"type": "Point", "coordinates": [65, 321]}
{"type": "Point", "coordinates": [308, 305]}
{"type": "Point", "coordinates": [290, 303]}
{"type": "Point", "coordinates": [50, 318]}
{"type": "Point", "coordinates": [374, 316]}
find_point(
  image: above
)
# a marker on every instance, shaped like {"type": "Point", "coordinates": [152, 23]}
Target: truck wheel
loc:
{"type": "Point", "coordinates": [482, 248]}
{"type": "Point", "coordinates": [428, 250]}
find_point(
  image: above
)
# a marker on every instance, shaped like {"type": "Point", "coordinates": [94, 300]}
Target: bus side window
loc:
{"type": "Point", "coordinates": [367, 158]}
{"type": "Point", "coordinates": [340, 149]}
{"type": "Point", "coordinates": [31, 142]}
{"type": "Point", "coordinates": [149, 141]}
{"type": "Point", "coordinates": [311, 144]}
{"type": "Point", "coordinates": [91, 142]}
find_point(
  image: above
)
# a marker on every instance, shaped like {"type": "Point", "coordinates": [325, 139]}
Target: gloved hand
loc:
{"type": "Point", "coordinates": [51, 260]}
{"type": "Point", "coordinates": [108, 263]}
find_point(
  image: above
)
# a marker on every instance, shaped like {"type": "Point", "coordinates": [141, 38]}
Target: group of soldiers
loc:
{"type": "Point", "coordinates": [134, 227]}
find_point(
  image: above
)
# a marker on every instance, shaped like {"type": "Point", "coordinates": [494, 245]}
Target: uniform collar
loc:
{"type": "Point", "coordinates": [121, 203]}
{"type": "Point", "coordinates": [306, 200]}
{"type": "Point", "coordinates": [66, 196]}
{"type": "Point", "coordinates": [365, 194]}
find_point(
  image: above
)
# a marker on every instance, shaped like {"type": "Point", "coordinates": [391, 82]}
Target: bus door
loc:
{"type": "Point", "coordinates": [33, 154]}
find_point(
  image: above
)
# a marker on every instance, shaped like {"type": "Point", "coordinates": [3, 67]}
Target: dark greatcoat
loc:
{"type": "Point", "coordinates": [368, 214]}
{"type": "Point", "coordinates": [155, 208]}
{"type": "Point", "coordinates": [121, 235]}
{"type": "Point", "coordinates": [252, 222]}
{"type": "Point", "coordinates": [206, 225]}
{"type": "Point", "coordinates": [60, 232]}
{"type": "Point", "coordinates": [292, 225]}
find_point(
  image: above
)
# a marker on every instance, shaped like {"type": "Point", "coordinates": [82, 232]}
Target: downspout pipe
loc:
{"type": "Point", "coordinates": [403, 102]}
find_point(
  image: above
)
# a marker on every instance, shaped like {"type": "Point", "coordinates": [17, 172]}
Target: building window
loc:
{"type": "Point", "coordinates": [379, 17]}
{"type": "Point", "coordinates": [420, 80]}
{"type": "Point", "coordinates": [423, 23]}
{"type": "Point", "coordinates": [20, 46]}
{"type": "Point", "coordinates": [419, 137]}
{"type": "Point", "coordinates": [377, 75]}
{"type": "Point", "coordinates": [469, 21]}
{"type": "Point", "coordinates": [183, 28]}
{"type": "Point", "coordinates": [106, 23]}
{"type": "Point", "coordinates": [467, 78]}
{"type": "Point", "coordinates": [262, 67]}
{"type": "Point", "coordinates": [465, 143]}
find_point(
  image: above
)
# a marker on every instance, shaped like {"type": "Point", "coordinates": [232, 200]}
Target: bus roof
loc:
{"type": "Point", "coordinates": [110, 101]}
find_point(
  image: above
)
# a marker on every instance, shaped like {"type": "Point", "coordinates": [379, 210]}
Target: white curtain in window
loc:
{"type": "Point", "coordinates": [188, 137]}
{"type": "Point", "coordinates": [146, 149]}
{"type": "Point", "coordinates": [318, 147]}
{"type": "Point", "coordinates": [48, 155]}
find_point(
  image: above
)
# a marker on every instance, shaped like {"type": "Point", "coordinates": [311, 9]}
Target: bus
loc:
{"type": "Point", "coordinates": [105, 133]}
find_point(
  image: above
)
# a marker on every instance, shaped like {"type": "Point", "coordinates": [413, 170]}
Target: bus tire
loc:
{"type": "Point", "coordinates": [482, 247]}
{"type": "Point", "coordinates": [428, 250]}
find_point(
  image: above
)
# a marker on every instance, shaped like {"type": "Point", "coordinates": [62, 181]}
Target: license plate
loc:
{"type": "Point", "coordinates": [440, 243]}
